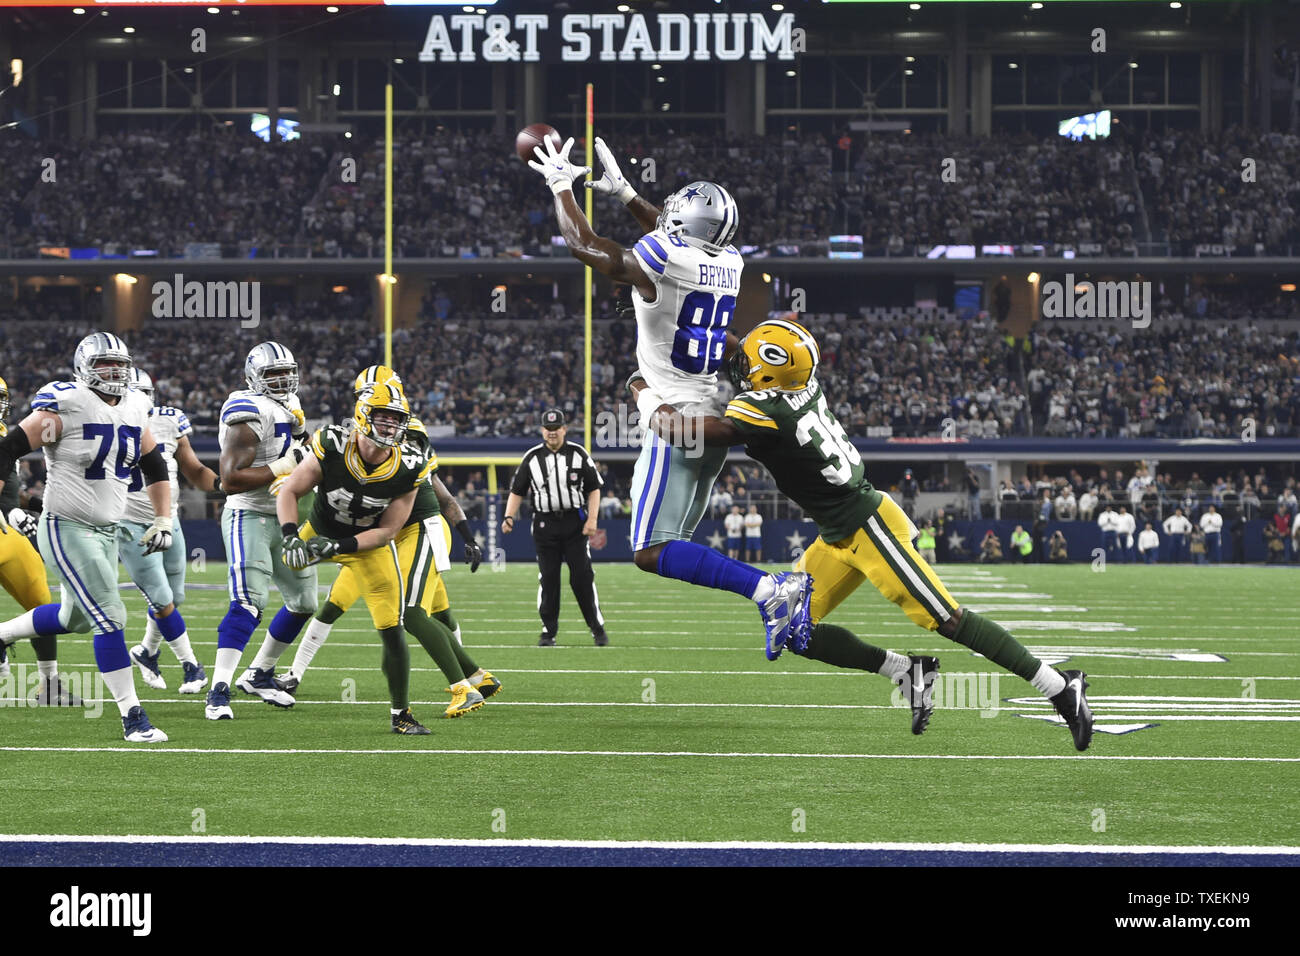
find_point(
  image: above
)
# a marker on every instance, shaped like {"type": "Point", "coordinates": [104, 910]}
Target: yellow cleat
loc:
{"type": "Point", "coordinates": [487, 685]}
{"type": "Point", "coordinates": [463, 701]}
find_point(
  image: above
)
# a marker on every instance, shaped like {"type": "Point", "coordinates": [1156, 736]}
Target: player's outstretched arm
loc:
{"type": "Point", "coordinates": [196, 473]}
{"type": "Point", "coordinates": [604, 255]}
{"type": "Point", "coordinates": [689, 430]}
{"type": "Point", "coordinates": [237, 470]}
{"type": "Point", "coordinates": [613, 183]}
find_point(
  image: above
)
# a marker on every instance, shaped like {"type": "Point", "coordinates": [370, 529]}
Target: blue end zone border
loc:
{"type": "Point", "coordinates": [284, 852]}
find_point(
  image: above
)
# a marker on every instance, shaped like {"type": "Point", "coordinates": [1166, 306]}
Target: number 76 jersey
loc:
{"type": "Point", "coordinates": [90, 466]}
{"type": "Point", "coordinates": [272, 423]}
{"type": "Point", "coordinates": [680, 336]}
{"type": "Point", "coordinates": [799, 440]}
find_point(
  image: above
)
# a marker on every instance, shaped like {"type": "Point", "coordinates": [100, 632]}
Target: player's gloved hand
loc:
{"type": "Point", "coordinates": [158, 536]}
{"type": "Point", "coordinates": [294, 407]}
{"type": "Point", "coordinates": [323, 549]}
{"type": "Point", "coordinates": [22, 522]}
{"type": "Point", "coordinates": [295, 552]}
{"type": "Point", "coordinates": [612, 181]}
{"type": "Point", "coordinates": [624, 307]}
{"type": "Point", "coordinates": [289, 460]}
{"type": "Point", "coordinates": [555, 166]}
{"type": "Point", "coordinates": [473, 553]}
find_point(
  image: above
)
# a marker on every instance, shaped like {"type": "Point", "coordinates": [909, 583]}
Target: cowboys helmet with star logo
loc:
{"type": "Point", "coordinates": [777, 353]}
{"type": "Point", "coordinates": [703, 214]}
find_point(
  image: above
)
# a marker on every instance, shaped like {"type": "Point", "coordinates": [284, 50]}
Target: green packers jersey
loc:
{"type": "Point", "coordinates": [799, 440]}
{"type": "Point", "coordinates": [9, 496]}
{"type": "Point", "coordinates": [352, 494]}
{"type": "Point", "coordinates": [426, 499]}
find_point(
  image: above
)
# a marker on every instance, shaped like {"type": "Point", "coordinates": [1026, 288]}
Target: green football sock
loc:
{"type": "Point", "coordinates": [397, 666]}
{"type": "Point", "coordinates": [832, 644]}
{"type": "Point", "coordinates": [437, 641]}
{"type": "Point", "coordinates": [46, 647]}
{"type": "Point", "coordinates": [329, 613]}
{"type": "Point", "coordinates": [992, 640]}
{"type": "Point", "coordinates": [448, 620]}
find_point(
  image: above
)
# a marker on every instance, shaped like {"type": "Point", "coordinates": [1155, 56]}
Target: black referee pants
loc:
{"type": "Point", "coordinates": [559, 540]}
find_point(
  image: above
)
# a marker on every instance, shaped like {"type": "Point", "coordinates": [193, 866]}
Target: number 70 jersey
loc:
{"type": "Point", "coordinates": [681, 335]}
{"type": "Point", "coordinates": [801, 442]}
{"type": "Point", "coordinates": [90, 465]}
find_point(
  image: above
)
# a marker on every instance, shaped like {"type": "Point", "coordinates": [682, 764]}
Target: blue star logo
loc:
{"type": "Point", "coordinates": [690, 193]}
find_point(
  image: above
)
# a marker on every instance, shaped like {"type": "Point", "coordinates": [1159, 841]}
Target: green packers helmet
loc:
{"type": "Point", "coordinates": [382, 414]}
{"type": "Point", "coordinates": [776, 354]}
{"type": "Point", "coordinates": [4, 400]}
{"type": "Point", "coordinates": [377, 375]}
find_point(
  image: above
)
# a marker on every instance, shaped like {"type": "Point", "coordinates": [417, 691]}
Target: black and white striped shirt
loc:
{"type": "Point", "coordinates": [556, 481]}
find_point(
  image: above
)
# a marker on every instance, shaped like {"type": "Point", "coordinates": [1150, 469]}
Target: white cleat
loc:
{"type": "Point", "coordinates": [261, 683]}
{"type": "Point", "coordinates": [136, 728]}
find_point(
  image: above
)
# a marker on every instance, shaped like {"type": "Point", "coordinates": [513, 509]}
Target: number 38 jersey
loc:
{"type": "Point", "coordinates": [273, 425]}
{"type": "Point", "coordinates": [351, 494]}
{"type": "Point", "coordinates": [799, 440]}
{"type": "Point", "coordinates": [168, 425]}
{"type": "Point", "coordinates": [90, 466]}
{"type": "Point", "coordinates": [680, 336]}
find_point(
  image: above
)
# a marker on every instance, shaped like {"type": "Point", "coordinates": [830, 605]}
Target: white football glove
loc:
{"type": "Point", "coordinates": [612, 181]}
{"type": "Point", "coordinates": [22, 522]}
{"type": "Point", "coordinates": [294, 406]}
{"type": "Point", "coordinates": [289, 460]}
{"type": "Point", "coordinates": [158, 536]}
{"type": "Point", "coordinates": [647, 402]}
{"type": "Point", "coordinates": [555, 166]}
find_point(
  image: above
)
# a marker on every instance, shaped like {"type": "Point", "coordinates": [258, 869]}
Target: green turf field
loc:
{"type": "Point", "coordinates": [681, 730]}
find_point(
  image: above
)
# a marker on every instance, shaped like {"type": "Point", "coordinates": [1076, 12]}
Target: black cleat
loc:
{"type": "Point", "coordinates": [1072, 705]}
{"type": "Point", "coordinates": [405, 723]}
{"type": "Point", "coordinates": [547, 640]}
{"type": "Point", "coordinates": [917, 686]}
{"type": "Point", "coordinates": [601, 639]}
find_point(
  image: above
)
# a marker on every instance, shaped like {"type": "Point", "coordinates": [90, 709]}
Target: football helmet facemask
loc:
{"type": "Point", "coordinates": [382, 415]}
{"type": "Point", "coordinates": [4, 401]}
{"type": "Point", "coordinates": [142, 382]}
{"type": "Point", "coordinates": [703, 214]}
{"type": "Point", "coordinates": [271, 371]}
{"type": "Point", "coordinates": [776, 354]}
{"type": "Point", "coordinates": [103, 362]}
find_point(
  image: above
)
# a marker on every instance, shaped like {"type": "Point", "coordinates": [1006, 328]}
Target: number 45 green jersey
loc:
{"type": "Point", "coordinates": [352, 494]}
{"type": "Point", "coordinates": [800, 441]}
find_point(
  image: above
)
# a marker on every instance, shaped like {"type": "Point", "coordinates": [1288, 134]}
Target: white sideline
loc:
{"type": "Point", "coordinates": [442, 752]}
{"type": "Point", "coordinates": [652, 844]}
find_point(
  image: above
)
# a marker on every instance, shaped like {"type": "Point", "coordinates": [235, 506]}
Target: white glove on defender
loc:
{"type": "Point", "coordinates": [612, 181]}
{"type": "Point", "coordinates": [158, 536]}
{"type": "Point", "coordinates": [22, 522]}
{"type": "Point", "coordinates": [555, 166]}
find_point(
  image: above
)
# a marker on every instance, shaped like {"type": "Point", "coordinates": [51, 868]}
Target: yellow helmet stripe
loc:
{"type": "Point", "coordinates": [799, 332]}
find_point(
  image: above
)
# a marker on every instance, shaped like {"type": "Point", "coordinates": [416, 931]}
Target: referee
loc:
{"type": "Point", "coordinates": [564, 490]}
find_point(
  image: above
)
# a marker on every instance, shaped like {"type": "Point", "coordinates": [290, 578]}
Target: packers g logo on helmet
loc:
{"type": "Point", "coordinates": [389, 404]}
{"type": "Point", "coordinates": [377, 375]}
{"type": "Point", "coordinates": [777, 354]}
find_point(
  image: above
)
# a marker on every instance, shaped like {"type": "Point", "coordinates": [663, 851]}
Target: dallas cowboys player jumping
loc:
{"type": "Point", "coordinates": [686, 276]}
{"type": "Point", "coordinates": [257, 432]}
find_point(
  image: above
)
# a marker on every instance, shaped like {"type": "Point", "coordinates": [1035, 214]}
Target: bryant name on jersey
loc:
{"type": "Point", "coordinates": [91, 465]}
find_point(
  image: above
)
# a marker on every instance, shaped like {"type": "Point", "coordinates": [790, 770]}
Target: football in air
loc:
{"type": "Point", "coordinates": [531, 137]}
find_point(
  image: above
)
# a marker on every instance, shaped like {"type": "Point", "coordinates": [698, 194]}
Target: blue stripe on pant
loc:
{"type": "Point", "coordinates": [85, 557]}
{"type": "Point", "coordinates": [252, 542]}
{"type": "Point", "coordinates": [670, 491]}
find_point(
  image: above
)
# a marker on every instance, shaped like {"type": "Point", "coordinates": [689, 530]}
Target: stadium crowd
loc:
{"type": "Point", "coordinates": [460, 193]}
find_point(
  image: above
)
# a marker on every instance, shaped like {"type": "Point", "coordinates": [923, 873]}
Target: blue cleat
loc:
{"type": "Point", "coordinates": [195, 679]}
{"type": "Point", "coordinates": [260, 682]}
{"type": "Point", "coordinates": [778, 611]}
{"type": "Point", "coordinates": [148, 664]}
{"type": "Point", "coordinates": [218, 705]}
{"type": "Point", "coordinates": [136, 728]}
{"type": "Point", "coordinates": [801, 624]}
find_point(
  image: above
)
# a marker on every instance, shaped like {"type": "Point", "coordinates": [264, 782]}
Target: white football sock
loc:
{"type": "Point", "coordinates": [1048, 681]}
{"type": "Point", "coordinates": [223, 671]}
{"type": "Point", "coordinates": [462, 683]}
{"type": "Point", "coordinates": [181, 648]}
{"type": "Point", "coordinates": [270, 653]}
{"type": "Point", "coordinates": [394, 711]}
{"type": "Point", "coordinates": [318, 633]}
{"type": "Point", "coordinates": [153, 637]}
{"type": "Point", "coordinates": [476, 676]}
{"type": "Point", "coordinates": [21, 626]}
{"type": "Point", "coordinates": [895, 667]}
{"type": "Point", "coordinates": [47, 669]}
{"type": "Point", "coordinates": [765, 589]}
{"type": "Point", "coordinates": [121, 684]}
